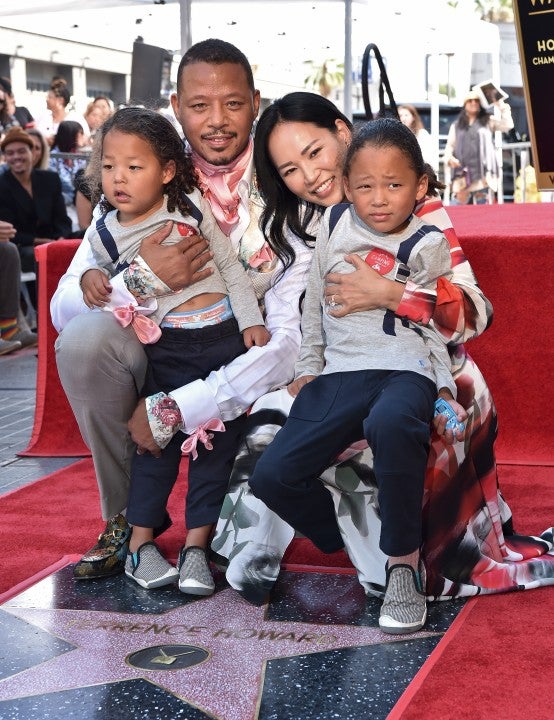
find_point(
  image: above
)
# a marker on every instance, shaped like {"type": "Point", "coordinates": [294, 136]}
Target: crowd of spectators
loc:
{"type": "Point", "coordinates": [42, 194]}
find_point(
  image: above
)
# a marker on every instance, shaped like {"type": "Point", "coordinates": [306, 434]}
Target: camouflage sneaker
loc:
{"type": "Point", "coordinates": [107, 557]}
{"type": "Point", "coordinates": [404, 609]}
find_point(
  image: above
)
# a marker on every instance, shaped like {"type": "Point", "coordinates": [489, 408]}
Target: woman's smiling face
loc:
{"type": "Point", "coordinates": [309, 159]}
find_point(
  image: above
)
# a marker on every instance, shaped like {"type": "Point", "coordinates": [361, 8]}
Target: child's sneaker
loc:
{"type": "Point", "coordinates": [149, 568]}
{"type": "Point", "coordinates": [404, 609]}
{"type": "Point", "coordinates": [195, 577]}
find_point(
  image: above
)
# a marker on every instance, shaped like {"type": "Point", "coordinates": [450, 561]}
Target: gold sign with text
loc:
{"type": "Point", "coordinates": [535, 35]}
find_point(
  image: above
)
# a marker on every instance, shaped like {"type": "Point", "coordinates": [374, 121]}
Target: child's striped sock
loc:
{"type": "Point", "coordinates": [8, 328]}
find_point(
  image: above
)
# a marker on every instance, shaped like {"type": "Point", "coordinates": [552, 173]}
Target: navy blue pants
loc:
{"type": "Point", "coordinates": [179, 357]}
{"type": "Point", "coordinates": [393, 411]}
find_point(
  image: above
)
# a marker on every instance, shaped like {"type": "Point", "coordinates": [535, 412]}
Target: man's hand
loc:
{"type": "Point", "coordinates": [139, 427]}
{"type": "Point", "coordinates": [297, 385]}
{"type": "Point", "coordinates": [96, 288]}
{"type": "Point", "coordinates": [178, 265]}
{"type": "Point", "coordinates": [7, 231]}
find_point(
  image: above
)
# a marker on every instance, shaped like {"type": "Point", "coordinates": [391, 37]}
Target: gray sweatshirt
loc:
{"type": "Point", "coordinates": [229, 276]}
{"type": "Point", "coordinates": [374, 339]}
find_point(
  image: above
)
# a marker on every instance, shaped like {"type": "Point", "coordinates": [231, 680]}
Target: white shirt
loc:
{"type": "Point", "coordinates": [46, 125]}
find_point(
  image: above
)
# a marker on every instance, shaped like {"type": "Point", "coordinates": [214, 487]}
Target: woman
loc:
{"type": "Point", "coordinates": [105, 105]}
{"type": "Point", "coordinates": [69, 140]}
{"type": "Point", "coordinates": [7, 118]}
{"type": "Point", "coordinates": [410, 117]}
{"type": "Point", "coordinates": [57, 101]}
{"type": "Point", "coordinates": [41, 151]}
{"type": "Point", "coordinates": [31, 200]}
{"type": "Point", "coordinates": [97, 112]}
{"type": "Point", "coordinates": [470, 151]}
{"type": "Point", "coordinates": [19, 112]}
{"type": "Point", "coordinates": [299, 148]}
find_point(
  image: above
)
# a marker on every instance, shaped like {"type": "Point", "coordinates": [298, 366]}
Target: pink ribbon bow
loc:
{"type": "Point", "coordinates": [261, 256]}
{"type": "Point", "coordinates": [147, 331]}
{"type": "Point", "coordinates": [200, 434]}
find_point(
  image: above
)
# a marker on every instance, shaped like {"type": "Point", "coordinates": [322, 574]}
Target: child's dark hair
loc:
{"type": "Point", "coordinates": [389, 132]}
{"type": "Point", "coordinates": [166, 144]}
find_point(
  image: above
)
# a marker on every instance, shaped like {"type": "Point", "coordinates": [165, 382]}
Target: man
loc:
{"type": "Point", "coordinates": [13, 333]}
{"type": "Point", "coordinates": [102, 365]}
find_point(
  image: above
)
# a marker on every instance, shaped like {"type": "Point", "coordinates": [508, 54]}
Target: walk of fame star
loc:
{"type": "Point", "coordinates": [212, 653]}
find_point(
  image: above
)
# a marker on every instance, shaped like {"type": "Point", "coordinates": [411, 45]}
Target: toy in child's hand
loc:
{"type": "Point", "coordinates": [444, 408]}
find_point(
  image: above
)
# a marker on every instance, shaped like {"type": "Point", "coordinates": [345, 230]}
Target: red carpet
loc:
{"type": "Point", "coordinates": [60, 515]}
{"type": "Point", "coordinates": [55, 432]}
{"type": "Point", "coordinates": [510, 248]}
{"type": "Point", "coordinates": [507, 245]}
{"type": "Point", "coordinates": [493, 662]}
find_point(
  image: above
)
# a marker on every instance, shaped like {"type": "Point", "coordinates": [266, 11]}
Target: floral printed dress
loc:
{"type": "Point", "coordinates": [468, 543]}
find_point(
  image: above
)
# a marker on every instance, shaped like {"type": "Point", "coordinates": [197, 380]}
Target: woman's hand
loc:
{"type": "Point", "coordinates": [96, 288]}
{"type": "Point", "coordinates": [297, 385]}
{"type": "Point", "coordinates": [363, 289]}
{"type": "Point", "coordinates": [178, 265]}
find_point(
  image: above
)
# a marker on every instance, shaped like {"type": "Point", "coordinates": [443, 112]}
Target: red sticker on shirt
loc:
{"type": "Point", "coordinates": [380, 260]}
{"type": "Point", "coordinates": [186, 230]}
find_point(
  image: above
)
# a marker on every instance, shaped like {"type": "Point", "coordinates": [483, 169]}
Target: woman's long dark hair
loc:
{"type": "Point", "coordinates": [166, 144]}
{"type": "Point", "coordinates": [483, 117]}
{"type": "Point", "coordinates": [66, 136]}
{"type": "Point", "coordinates": [283, 207]}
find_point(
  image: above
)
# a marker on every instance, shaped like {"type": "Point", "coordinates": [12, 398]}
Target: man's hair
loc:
{"type": "Point", "coordinates": [216, 52]}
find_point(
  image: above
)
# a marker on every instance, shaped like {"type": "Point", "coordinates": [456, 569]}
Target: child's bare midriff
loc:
{"type": "Point", "coordinates": [199, 302]}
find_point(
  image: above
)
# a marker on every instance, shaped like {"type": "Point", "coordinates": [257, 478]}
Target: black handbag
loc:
{"type": "Point", "coordinates": [384, 86]}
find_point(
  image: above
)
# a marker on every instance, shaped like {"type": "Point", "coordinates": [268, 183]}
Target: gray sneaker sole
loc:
{"type": "Point", "coordinates": [168, 579]}
{"type": "Point", "coordinates": [395, 628]}
{"type": "Point", "coordinates": [189, 587]}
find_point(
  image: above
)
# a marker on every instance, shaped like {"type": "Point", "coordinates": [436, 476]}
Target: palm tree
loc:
{"type": "Point", "coordinates": [324, 77]}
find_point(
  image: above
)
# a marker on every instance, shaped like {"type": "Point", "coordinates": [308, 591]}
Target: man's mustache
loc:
{"type": "Point", "coordinates": [220, 133]}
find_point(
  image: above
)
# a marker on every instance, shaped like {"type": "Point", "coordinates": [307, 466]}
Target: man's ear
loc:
{"type": "Point", "coordinates": [169, 172]}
